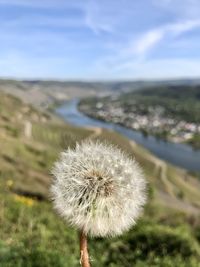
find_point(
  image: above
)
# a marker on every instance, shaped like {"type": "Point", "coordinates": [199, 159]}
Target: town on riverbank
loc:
{"type": "Point", "coordinates": [148, 116]}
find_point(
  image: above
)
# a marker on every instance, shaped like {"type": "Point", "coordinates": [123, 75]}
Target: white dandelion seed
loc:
{"type": "Point", "coordinates": [98, 189]}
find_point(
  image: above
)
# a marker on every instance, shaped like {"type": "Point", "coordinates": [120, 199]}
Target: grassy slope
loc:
{"type": "Point", "coordinates": [31, 233]}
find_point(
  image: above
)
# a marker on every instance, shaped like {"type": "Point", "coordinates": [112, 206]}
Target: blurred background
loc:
{"type": "Point", "coordinates": [127, 72]}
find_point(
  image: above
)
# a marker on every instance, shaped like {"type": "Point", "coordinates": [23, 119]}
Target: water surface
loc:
{"type": "Point", "coordinates": [178, 154]}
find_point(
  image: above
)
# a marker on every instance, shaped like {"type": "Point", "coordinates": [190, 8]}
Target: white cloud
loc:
{"type": "Point", "coordinates": [148, 41]}
{"type": "Point", "coordinates": [97, 27]}
{"type": "Point", "coordinates": [179, 28]}
{"type": "Point", "coordinates": [132, 59]}
{"type": "Point", "coordinates": [152, 37]}
{"type": "Point", "coordinates": [91, 15]}
{"type": "Point", "coordinates": [96, 18]}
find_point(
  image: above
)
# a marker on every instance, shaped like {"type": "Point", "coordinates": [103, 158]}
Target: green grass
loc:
{"type": "Point", "coordinates": [33, 235]}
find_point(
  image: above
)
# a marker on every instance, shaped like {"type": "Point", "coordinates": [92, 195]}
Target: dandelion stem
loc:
{"type": "Point", "coordinates": [84, 250]}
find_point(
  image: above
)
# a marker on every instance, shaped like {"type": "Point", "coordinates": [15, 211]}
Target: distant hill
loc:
{"type": "Point", "coordinates": [178, 101]}
{"type": "Point", "coordinates": [172, 92]}
{"type": "Point", "coordinates": [43, 93]}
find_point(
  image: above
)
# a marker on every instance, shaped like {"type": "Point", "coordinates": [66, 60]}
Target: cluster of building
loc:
{"type": "Point", "coordinates": [153, 122]}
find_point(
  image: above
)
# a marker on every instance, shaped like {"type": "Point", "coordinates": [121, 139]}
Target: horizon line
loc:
{"type": "Point", "coordinates": [88, 80]}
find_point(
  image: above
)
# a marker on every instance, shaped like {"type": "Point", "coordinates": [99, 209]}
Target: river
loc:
{"type": "Point", "coordinates": [178, 154]}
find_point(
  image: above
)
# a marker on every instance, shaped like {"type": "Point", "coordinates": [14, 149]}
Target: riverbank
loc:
{"type": "Point", "coordinates": [180, 155]}
{"type": "Point", "coordinates": [193, 141]}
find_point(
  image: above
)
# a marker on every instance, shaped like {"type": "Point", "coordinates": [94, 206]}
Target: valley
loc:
{"type": "Point", "coordinates": [31, 233]}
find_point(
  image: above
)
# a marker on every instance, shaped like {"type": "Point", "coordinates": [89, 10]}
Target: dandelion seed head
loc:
{"type": "Point", "coordinates": [98, 189]}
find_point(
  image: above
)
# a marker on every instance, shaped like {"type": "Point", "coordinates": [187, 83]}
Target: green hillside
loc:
{"type": "Point", "coordinates": [181, 102]}
{"type": "Point", "coordinates": [32, 235]}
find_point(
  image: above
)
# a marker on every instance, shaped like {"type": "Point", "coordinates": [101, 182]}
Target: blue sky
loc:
{"type": "Point", "coordinates": [93, 39]}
